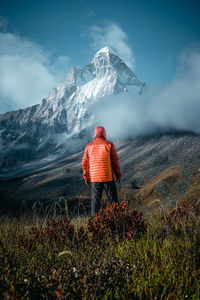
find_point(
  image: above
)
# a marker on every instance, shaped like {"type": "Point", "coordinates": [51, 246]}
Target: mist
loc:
{"type": "Point", "coordinates": [27, 72]}
{"type": "Point", "coordinates": [173, 106]}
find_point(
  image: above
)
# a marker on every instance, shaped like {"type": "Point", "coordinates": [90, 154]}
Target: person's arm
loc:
{"type": "Point", "coordinates": [85, 167]}
{"type": "Point", "coordinates": [115, 162]}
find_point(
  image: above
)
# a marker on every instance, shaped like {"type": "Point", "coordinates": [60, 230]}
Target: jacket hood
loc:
{"type": "Point", "coordinates": [100, 132]}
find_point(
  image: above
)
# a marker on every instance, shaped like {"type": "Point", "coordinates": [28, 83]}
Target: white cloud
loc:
{"type": "Point", "coordinates": [27, 72]}
{"type": "Point", "coordinates": [112, 35]}
{"type": "Point", "coordinates": [173, 106]}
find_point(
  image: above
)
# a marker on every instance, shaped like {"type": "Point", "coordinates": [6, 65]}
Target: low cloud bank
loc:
{"type": "Point", "coordinates": [27, 72]}
{"type": "Point", "coordinates": [175, 106]}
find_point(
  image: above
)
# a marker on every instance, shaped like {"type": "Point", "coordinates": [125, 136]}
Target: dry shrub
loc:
{"type": "Point", "coordinates": [117, 221]}
{"type": "Point", "coordinates": [183, 211]}
{"type": "Point", "coordinates": [55, 232]}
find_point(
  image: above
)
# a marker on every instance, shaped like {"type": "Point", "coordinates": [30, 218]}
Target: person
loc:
{"type": "Point", "coordinates": [100, 166]}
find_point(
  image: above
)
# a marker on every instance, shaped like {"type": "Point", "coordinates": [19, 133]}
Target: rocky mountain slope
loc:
{"type": "Point", "coordinates": [164, 167]}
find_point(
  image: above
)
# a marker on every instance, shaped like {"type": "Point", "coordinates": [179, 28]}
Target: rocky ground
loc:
{"type": "Point", "coordinates": [162, 166]}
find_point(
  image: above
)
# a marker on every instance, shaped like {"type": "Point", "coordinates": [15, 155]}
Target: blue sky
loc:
{"type": "Point", "coordinates": [41, 40]}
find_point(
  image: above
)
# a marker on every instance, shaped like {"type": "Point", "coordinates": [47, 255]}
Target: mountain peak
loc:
{"type": "Point", "coordinates": [105, 49]}
{"type": "Point", "coordinates": [68, 106]}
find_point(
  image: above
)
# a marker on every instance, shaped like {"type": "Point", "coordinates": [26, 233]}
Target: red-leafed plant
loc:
{"type": "Point", "coordinates": [53, 232]}
{"type": "Point", "coordinates": [116, 220]}
{"type": "Point", "coordinates": [183, 211]}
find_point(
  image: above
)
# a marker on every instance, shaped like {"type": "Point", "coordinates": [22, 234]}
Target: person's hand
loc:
{"type": "Point", "coordinates": [87, 182]}
{"type": "Point", "coordinates": [118, 180]}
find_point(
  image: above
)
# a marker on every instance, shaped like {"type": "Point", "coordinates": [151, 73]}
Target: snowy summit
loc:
{"type": "Point", "coordinates": [66, 109]}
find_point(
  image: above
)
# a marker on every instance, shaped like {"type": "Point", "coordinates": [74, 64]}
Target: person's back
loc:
{"type": "Point", "coordinates": [100, 166]}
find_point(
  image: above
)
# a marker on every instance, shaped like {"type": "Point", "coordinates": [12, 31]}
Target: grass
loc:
{"type": "Point", "coordinates": [163, 263]}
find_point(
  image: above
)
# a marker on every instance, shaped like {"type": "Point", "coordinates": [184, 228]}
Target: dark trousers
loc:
{"type": "Point", "coordinates": [96, 194]}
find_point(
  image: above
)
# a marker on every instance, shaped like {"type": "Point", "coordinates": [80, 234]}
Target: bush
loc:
{"type": "Point", "coordinates": [54, 232]}
{"type": "Point", "coordinates": [183, 211]}
{"type": "Point", "coordinates": [117, 221]}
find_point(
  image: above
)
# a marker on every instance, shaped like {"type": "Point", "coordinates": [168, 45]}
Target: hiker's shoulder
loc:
{"type": "Point", "coordinates": [110, 143]}
{"type": "Point", "coordinates": [90, 144]}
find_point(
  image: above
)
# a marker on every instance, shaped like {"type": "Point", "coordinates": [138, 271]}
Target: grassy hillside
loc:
{"type": "Point", "coordinates": [157, 257]}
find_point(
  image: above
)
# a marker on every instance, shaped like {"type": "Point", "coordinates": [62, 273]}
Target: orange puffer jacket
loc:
{"type": "Point", "coordinates": [100, 160]}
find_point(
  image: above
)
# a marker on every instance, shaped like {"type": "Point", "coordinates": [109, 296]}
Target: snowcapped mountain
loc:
{"type": "Point", "coordinates": [66, 107]}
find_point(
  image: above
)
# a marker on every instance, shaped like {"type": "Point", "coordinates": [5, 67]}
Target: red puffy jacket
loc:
{"type": "Point", "coordinates": [100, 160]}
